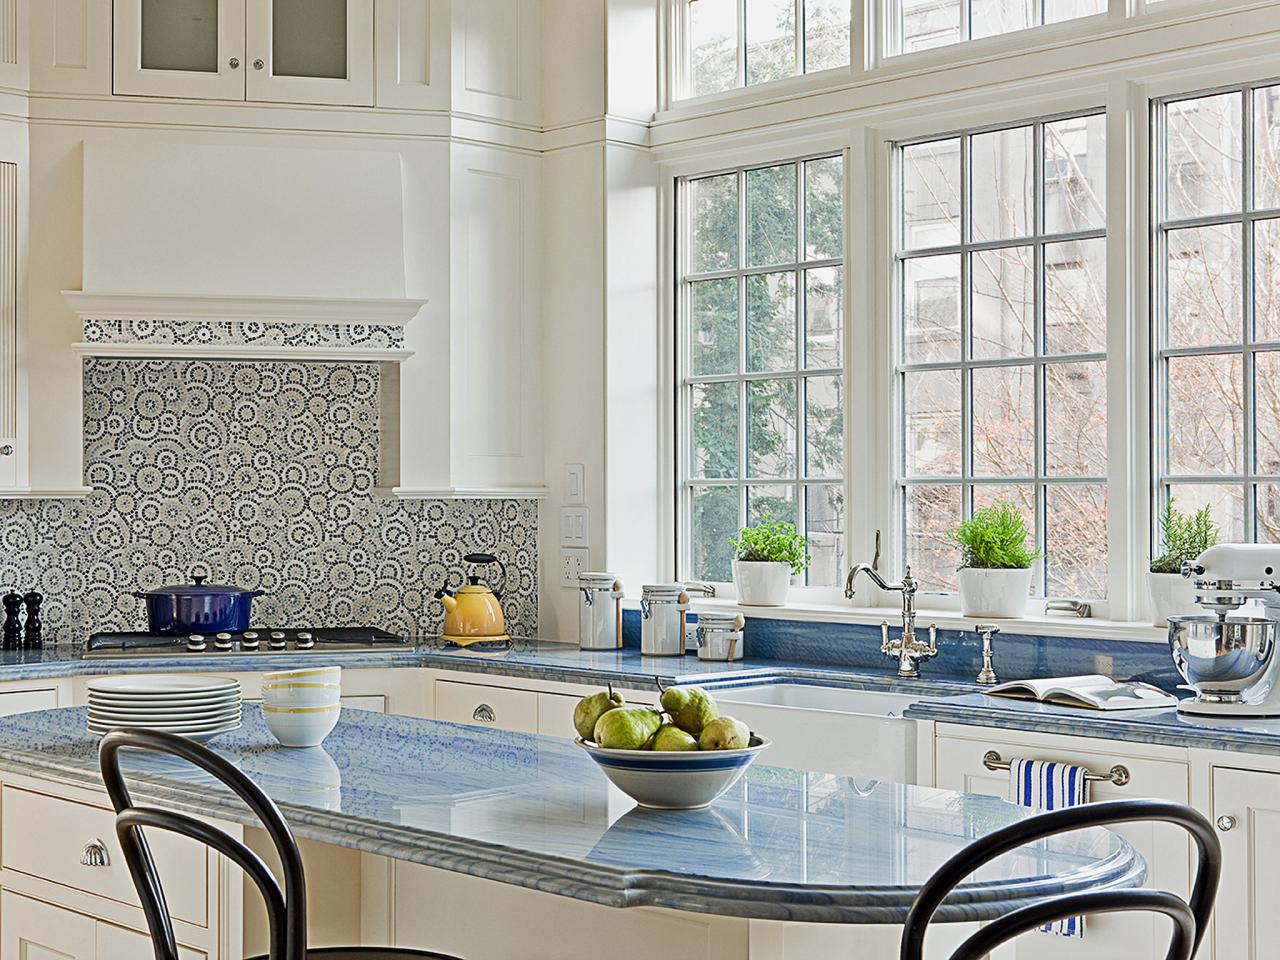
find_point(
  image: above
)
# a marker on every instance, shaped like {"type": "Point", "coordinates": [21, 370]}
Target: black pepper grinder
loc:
{"type": "Point", "coordinates": [31, 639]}
{"type": "Point", "coordinates": [12, 603]}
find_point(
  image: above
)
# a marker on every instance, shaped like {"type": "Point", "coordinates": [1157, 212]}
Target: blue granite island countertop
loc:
{"type": "Point", "coordinates": [536, 812]}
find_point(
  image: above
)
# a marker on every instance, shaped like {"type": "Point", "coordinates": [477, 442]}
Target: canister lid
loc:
{"type": "Point", "coordinates": [662, 590]}
{"type": "Point", "coordinates": [717, 621]}
{"type": "Point", "coordinates": [598, 580]}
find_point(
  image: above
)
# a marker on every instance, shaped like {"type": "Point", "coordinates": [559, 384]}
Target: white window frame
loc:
{"type": "Point", "coordinates": [682, 434]}
{"type": "Point", "coordinates": [1245, 347]}
{"type": "Point", "coordinates": [1038, 360]}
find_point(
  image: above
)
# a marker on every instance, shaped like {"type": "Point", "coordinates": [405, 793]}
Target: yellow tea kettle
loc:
{"type": "Point", "coordinates": [473, 612]}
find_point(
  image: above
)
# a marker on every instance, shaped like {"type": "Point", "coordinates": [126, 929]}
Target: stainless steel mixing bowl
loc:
{"type": "Point", "coordinates": [1222, 658]}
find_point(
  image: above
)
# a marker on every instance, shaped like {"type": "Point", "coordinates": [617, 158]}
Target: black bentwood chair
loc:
{"type": "Point", "coordinates": [286, 910]}
{"type": "Point", "coordinates": [1190, 917]}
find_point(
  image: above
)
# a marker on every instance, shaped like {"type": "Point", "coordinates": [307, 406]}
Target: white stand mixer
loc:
{"type": "Point", "coordinates": [1229, 660]}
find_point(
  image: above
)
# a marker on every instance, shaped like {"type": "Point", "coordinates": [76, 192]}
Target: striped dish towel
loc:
{"type": "Point", "coordinates": [1045, 785]}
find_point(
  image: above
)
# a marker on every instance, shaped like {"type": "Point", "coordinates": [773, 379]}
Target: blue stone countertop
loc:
{"type": "Point", "coordinates": [1164, 725]}
{"type": "Point", "coordinates": [536, 812]}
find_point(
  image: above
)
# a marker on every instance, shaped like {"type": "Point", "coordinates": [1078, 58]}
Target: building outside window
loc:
{"type": "Point", "coordinates": [926, 24]}
{"type": "Point", "coordinates": [1000, 344]}
{"type": "Point", "coordinates": [737, 43]}
{"type": "Point", "coordinates": [1216, 306]}
{"type": "Point", "coordinates": [761, 320]}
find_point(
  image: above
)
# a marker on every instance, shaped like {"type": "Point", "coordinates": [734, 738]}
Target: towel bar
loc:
{"type": "Point", "coordinates": [1119, 774]}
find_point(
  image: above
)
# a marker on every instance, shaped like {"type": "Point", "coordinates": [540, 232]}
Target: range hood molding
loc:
{"type": "Point", "coordinates": [153, 326]}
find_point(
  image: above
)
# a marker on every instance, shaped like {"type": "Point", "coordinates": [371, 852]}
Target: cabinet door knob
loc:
{"type": "Point", "coordinates": [95, 854]}
{"type": "Point", "coordinates": [484, 714]}
{"type": "Point", "coordinates": [6, 450]}
{"type": "Point", "coordinates": [234, 63]}
{"type": "Point", "coordinates": [259, 63]}
{"type": "Point", "coordinates": [1226, 822]}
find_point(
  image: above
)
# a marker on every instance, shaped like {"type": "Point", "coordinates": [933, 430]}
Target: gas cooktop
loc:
{"type": "Point", "coordinates": [303, 640]}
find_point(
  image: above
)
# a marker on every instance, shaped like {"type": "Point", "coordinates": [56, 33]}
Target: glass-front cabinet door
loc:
{"type": "Point", "coordinates": [180, 48]}
{"type": "Point", "coordinates": [310, 51]}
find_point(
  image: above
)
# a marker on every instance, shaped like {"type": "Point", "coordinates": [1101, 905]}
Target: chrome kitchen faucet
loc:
{"type": "Point", "coordinates": [906, 648]}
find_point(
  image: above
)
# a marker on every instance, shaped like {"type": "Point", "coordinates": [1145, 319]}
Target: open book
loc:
{"type": "Point", "coordinates": [1094, 691]}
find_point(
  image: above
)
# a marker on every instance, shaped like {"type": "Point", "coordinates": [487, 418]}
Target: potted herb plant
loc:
{"type": "Point", "coordinates": [766, 556]}
{"type": "Point", "coordinates": [1183, 536]}
{"type": "Point", "coordinates": [995, 563]}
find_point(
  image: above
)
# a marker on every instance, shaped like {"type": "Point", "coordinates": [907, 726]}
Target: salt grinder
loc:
{"type": "Point", "coordinates": [12, 636]}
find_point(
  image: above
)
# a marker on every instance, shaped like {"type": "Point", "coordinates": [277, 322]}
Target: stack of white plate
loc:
{"type": "Point", "coordinates": [195, 706]}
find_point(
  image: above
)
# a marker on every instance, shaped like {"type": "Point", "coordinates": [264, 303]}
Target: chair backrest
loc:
{"type": "Point", "coordinates": [1190, 917]}
{"type": "Point", "coordinates": [286, 910]}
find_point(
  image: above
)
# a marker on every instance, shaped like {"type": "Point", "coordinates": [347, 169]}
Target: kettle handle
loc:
{"type": "Point", "coordinates": [490, 558]}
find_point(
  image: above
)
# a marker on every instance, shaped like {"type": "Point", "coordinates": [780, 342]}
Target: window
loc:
{"type": "Point", "coordinates": [761, 319]}
{"type": "Point", "coordinates": [735, 43]}
{"type": "Point", "coordinates": [1001, 339]}
{"type": "Point", "coordinates": [1217, 307]}
{"type": "Point", "coordinates": [925, 24]}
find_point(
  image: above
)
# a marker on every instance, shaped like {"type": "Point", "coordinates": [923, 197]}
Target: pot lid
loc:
{"type": "Point", "coordinates": [197, 588]}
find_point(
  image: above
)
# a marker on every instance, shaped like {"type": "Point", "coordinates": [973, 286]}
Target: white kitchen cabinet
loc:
{"type": "Point", "coordinates": [959, 764]}
{"type": "Point", "coordinates": [292, 51]}
{"type": "Point", "coordinates": [35, 930]}
{"type": "Point", "coordinates": [485, 706]}
{"type": "Point", "coordinates": [180, 48]}
{"type": "Point", "coordinates": [309, 51]}
{"type": "Point", "coordinates": [1246, 809]}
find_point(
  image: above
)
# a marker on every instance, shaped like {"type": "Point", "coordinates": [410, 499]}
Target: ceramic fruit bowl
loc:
{"type": "Point", "coordinates": [676, 779]}
{"type": "Point", "coordinates": [301, 726]}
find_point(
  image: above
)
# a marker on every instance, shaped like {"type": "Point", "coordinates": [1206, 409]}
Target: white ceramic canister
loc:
{"type": "Point", "coordinates": [719, 636]}
{"type": "Point", "coordinates": [662, 619]}
{"type": "Point", "coordinates": [599, 611]}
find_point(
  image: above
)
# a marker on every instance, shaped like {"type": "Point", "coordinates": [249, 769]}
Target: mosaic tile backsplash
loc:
{"type": "Point", "coordinates": [256, 474]}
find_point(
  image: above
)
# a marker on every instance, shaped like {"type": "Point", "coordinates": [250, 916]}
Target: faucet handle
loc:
{"type": "Point", "coordinates": [987, 675]}
{"type": "Point", "coordinates": [926, 651]}
{"type": "Point", "coordinates": [884, 637]}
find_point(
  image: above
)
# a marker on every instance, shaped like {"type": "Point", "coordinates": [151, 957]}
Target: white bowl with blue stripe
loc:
{"type": "Point", "coordinates": [675, 779]}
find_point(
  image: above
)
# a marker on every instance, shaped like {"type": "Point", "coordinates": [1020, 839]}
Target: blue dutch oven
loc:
{"type": "Point", "coordinates": [197, 607]}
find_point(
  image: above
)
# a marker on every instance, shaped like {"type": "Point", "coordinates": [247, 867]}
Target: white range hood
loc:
{"type": "Point", "coordinates": [198, 250]}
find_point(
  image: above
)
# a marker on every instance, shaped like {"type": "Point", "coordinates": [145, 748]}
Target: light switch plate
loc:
{"type": "Point", "coordinates": [575, 484]}
{"type": "Point", "coordinates": [573, 561]}
{"type": "Point", "coordinates": [575, 527]}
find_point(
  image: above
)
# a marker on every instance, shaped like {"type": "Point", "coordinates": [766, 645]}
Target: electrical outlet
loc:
{"type": "Point", "coordinates": [573, 561]}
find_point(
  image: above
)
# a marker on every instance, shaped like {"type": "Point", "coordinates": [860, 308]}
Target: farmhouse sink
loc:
{"type": "Point", "coordinates": [805, 696]}
{"type": "Point", "coordinates": [854, 733]}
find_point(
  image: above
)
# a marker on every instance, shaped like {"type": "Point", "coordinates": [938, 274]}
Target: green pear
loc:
{"type": "Point", "coordinates": [590, 709]}
{"type": "Point", "coordinates": [691, 708]}
{"type": "Point", "coordinates": [627, 728]}
{"type": "Point", "coordinates": [724, 733]}
{"type": "Point", "coordinates": [670, 737]}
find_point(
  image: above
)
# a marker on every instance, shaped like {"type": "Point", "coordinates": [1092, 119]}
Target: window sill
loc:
{"type": "Point", "coordinates": [1085, 627]}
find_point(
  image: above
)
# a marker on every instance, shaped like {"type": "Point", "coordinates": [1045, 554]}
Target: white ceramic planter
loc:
{"type": "Point", "coordinates": [761, 584]}
{"type": "Point", "coordinates": [994, 593]}
{"type": "Point", "coordinates": [1172, 595]}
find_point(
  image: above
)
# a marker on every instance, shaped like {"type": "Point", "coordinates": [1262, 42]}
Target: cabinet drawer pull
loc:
{"type": "Point", "coordinates": [1118, 775]}
{"type": "Point", "coordinates": [484, 713]}
{"type": "Point", "coordinates": [95, 854]}
{"type": "Point", "coordinates": [1226, 822]}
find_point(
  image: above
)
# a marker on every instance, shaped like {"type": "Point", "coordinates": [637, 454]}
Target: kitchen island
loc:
{"type": "Point", "coordinates": [450, 823]}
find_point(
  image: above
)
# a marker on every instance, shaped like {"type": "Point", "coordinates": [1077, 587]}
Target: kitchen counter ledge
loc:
{"type": "Point", "coordinates": [537, 813]}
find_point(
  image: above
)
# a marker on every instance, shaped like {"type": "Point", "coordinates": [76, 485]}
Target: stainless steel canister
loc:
{"type": "Point", "coordinates": [662, 619]}
{"type": "Point", "coordinates": [719, 636]}
{"type": "Point", "coordinates": [599, 611]}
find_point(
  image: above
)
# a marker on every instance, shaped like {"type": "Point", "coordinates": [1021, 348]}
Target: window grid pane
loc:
{"type": "Point", "coordinates": [1001, 340]}
{"type": "Point", "coordinates": [761, 360]}
{"type": "Point", "coordinates": [735, 43]}
{"type": "Point", "coordinates": [1215, 403]}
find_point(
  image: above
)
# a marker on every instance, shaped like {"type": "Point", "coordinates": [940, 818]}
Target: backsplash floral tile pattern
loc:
{"type": "Point", "coordinates": [257, 474]}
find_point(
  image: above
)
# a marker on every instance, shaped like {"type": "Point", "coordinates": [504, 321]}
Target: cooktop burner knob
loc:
{"type": "Point", "coordinates": [277, 640]}
{"type": "Point", "coordinates": [195, 643]}
{"type": "Point", "coordinates": [305, 641]}
{"type": "Point", "coordinates": [249, 640]}
{"type": "Point", "coordinates": [222, 641]}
